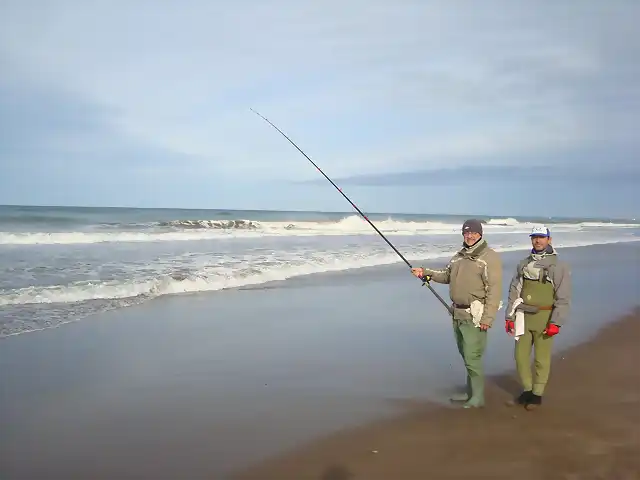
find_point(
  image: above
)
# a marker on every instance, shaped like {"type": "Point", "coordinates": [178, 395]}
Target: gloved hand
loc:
{"type": "Point", "coordinates": [551, 330]}
{"type": "Point", "coordinates": [509, 326]}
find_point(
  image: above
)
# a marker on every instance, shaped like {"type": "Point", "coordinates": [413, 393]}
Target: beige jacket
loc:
{"type": "Point", "coordinates": [474, 273]}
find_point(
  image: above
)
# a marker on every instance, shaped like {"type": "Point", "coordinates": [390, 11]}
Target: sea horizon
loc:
{"type": "Point", "coordinates": [478, 215]}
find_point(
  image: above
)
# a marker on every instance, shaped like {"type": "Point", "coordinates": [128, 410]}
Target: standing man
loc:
{"type": "Point", "coordinates": [538, 305]}
{"type": "Point", "coordinates": [474, 275]}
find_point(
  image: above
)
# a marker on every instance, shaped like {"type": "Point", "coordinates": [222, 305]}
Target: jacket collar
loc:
{"type": "Point", "coordinates": [474, 250]}
{"type": "Point", "coordinates": [548, 252]}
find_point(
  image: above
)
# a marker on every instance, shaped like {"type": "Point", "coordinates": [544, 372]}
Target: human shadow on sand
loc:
{"type": "Point", "coordinates": [336, 472]}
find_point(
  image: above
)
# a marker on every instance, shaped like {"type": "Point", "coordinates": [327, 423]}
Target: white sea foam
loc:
{"type": "Point", "coordinates": [231, 273]}
{"type": "Point", "coordinates": [503, 221]}
{"type": "Point", "coordinates": [194, 230]}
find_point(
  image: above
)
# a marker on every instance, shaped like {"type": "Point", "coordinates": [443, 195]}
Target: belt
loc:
{"type": "Point", "coordinates": [523, 307]}
{"type": "Point", "coordinates": [542, 307]}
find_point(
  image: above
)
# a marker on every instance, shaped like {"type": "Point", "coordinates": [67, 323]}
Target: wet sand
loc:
{"type": "Point", "coordinates": [587, 428]}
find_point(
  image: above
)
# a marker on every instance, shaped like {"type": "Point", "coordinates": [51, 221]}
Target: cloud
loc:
{"type": "Point", "coordinates": [48, 126]}
{"type": "Point", "coordinates": [531, 177]}
{"type": "Point", "coordinates": [365, 88]}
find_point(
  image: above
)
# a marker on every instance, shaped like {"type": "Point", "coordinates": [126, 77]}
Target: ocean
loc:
{"type": "Point", "coordinates": [63, 264]}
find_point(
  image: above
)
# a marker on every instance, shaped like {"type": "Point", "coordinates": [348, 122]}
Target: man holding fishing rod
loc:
{"type": "Point", "coordinates": [474, 275]}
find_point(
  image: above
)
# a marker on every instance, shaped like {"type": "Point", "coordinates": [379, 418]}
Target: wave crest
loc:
{"type": "Point", "coordinates": [219, 224]}
{"type": "Point", "coordinates": [200, 230]}
{"type": "Point", "coordinates": [507, 222]}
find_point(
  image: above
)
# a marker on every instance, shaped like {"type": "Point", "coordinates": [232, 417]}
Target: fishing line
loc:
{"type": "Point", "coordinates": [424, 280]}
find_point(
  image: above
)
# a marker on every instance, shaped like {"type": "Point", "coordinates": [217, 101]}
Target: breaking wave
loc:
{"type": "Point", "coordinates": [219, 224]}
{"type": "Point", "coordinates": [193, 230]}
{"type": "Point", "coordinates": [220, 277]}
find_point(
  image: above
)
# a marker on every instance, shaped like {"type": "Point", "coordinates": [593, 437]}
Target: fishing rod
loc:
{"type": "Point", "coordinates": [424, 280]}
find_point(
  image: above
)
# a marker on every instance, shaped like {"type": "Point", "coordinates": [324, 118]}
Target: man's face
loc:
{"type": "Point", "coordinates": [471, 237]}
{"type": "Point", "coordinates": [540, 243]}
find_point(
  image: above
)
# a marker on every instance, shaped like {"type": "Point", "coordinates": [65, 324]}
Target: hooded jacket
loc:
{"type": "Point", "coordinates": [556, 271]}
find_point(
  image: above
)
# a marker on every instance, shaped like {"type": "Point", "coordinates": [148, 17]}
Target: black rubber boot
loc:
{"type": "Point", "coordinates": [534, 402]}
{"type": "Point", "coordinates": [523, 399]}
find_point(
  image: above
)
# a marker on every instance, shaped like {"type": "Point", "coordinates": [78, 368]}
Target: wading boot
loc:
{"type": "Point", "coordinates": [462, 396]}
{"type": "Point", "coordinates": [477, 398]}
{"type": "Point", "coordinates": [474, 402]}
{"type": "Point", "coordinates": [523, 399]}
{"type": "Point", "coordinates": [459, 397]}
{"type": "Point", "coordinates": [534, 402]}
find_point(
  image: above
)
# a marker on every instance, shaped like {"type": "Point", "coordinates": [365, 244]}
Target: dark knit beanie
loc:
{"type": "Point", "coordinates": [472, 225]}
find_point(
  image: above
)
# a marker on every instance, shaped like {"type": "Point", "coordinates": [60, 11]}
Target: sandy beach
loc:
{"type": "Point", "coordinates": [245, 382]}
{"type": "Point", "coordinates": [587, 428]}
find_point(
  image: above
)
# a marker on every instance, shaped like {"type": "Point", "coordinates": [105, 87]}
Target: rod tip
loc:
{"type": "Point", "coordinates": [257, 113]}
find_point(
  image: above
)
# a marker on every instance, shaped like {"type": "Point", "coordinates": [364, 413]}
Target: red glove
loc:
{"type": "Point", "coordinates": [551, 330]}
{"type": "Point", "coordinates": [509, 326]}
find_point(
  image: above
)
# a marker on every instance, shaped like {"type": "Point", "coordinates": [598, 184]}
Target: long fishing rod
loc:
{"type": "Point", "coordinates": [424, 280]}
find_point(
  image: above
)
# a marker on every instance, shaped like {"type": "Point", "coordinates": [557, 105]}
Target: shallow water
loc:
{"type": "Point", "coordinates": [64, 264]}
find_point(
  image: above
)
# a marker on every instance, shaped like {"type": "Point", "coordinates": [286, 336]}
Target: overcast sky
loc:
{"type": "Point", "coordinates": [146, 103]}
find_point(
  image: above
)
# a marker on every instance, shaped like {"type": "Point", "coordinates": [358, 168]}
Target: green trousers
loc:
{"type": "Point", "coordinates": [533, 337]}
{"type": "Point", "coordinates": [472, 342]}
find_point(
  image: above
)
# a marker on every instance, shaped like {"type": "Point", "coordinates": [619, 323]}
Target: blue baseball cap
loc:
{"type": "Point", "coordinates": [540, 231]}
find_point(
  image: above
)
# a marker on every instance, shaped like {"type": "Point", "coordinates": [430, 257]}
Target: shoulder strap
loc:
{"type": "Point", "coordinates": [547, 272]}
{"type": "Point", "coordinates": [521, 264]}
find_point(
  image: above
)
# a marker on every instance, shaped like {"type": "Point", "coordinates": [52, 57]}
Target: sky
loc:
{"type": "Point", "coordinates": [515, 108]}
